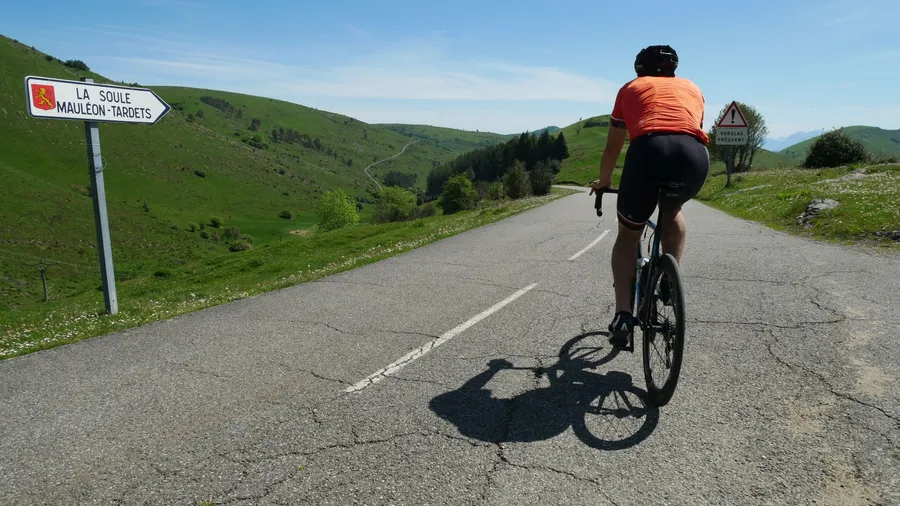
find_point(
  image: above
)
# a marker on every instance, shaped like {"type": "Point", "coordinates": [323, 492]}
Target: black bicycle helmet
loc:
{"type": "Point", "coordinates": [656, 61]}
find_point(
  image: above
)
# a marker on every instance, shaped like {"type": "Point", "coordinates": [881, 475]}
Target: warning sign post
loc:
{"type": "Point", "coordinates": [732, 130]}
{"type": "Point", "coordinates": [49, 98]}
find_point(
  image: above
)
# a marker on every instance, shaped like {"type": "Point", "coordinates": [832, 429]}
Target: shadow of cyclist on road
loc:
{"type": "Point", "coordinates": [606, 411]}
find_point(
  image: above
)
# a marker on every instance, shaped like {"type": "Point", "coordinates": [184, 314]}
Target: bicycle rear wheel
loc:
{"type": "Point", "coordinates": [663, 331]}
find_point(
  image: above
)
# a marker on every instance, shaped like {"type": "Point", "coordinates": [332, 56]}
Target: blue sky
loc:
{"type": "Point", "coordinates": [492, 65]}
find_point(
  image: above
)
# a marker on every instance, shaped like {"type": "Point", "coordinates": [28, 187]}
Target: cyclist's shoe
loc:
{"type": "Point", "coordinates": [620, 329]}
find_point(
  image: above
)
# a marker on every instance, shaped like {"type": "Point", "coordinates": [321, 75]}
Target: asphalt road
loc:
{"type": "Point", "coordinates": [788, 393]}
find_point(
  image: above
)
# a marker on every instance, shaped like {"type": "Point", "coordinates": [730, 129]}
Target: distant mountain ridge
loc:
{"type": "Point", "coordinates": [778, 143]}
{"type": "Point", "coordinates": [550, 129]}
{"type": "Point", "coordinates": [877, 141]}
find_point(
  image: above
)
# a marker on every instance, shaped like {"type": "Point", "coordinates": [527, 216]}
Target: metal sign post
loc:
{"type": "Point", "coordinates": [72, 100]}
{"type": "Point", "coordinates": [101, 220]}
{"type": "Point", "coordinates": [732, 130]}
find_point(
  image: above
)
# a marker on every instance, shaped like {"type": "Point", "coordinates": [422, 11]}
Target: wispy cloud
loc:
{"type": "Point", "coordinates": [407, 75]}
{"type": "Point", "coordinates": [854, 16]}
{"type": "Point", "coordinates": [173, 3]}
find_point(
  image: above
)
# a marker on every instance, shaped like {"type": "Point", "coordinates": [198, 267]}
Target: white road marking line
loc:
{"type": "Point", "coordinates": [419, 352]}
{"type": "Point", "coordinates": [589, 246]}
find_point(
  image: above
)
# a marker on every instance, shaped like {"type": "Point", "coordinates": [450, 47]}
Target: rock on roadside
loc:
{"type": "Point", "coordinates": [813, 210]}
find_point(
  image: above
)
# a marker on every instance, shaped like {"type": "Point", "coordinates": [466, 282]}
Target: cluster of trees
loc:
{"type": "Point", "coordinates": [77, 64]}
{"type": "Point", "coordinates": [223, 106]}
{"type": "Point", "coordinates": [491, 164]}
{"type": "Point", "coordinates": [292, 136]}
{"type": "Point", "coordinates": [400, 179]}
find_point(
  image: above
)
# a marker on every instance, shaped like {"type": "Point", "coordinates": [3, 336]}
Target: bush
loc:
{"type": "Point", "coordinates": [426, 210]}
{"type": "Point", "coordinates": [484, 189]}
{"type": "Point", "coordinates": [833, 149]}
{"type": "Point", "coordinates": [77, 64]}
{"type": "Point", "coordinates": [336, 210]}
{"type": "Point", "coordinates": [216, 222]}
{"type": "Point", "coordinates": [516, 181]}
{"type": "Point", "coordinates": [496, 191]}
{"type": "Point", "coordinates": [458, 194]}
{"type": "Point", "coordinates": [162, 274]}
{"type": "Point", "coordinates": [394, 204]}
{"type": "Point", "coordinates": [596, 122]}
{"type": "Point", "coordinates": [193, 227]}
{"type": "Point", "coordinates": [200, 173]}
{"type": "Point", "coordinates": [286, 215]}
{"type": "Point", "coordinates": [239, 245]}
{"type": "Point", "coordinates": [542, 178]}
{"type": "Point", "coordinates": [232, 234]}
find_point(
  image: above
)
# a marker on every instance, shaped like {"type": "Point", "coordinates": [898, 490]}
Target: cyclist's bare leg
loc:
{"type": "Point", "coordinates": [673, 228]}
{"type": "Point", "coordinates": [624, 266]}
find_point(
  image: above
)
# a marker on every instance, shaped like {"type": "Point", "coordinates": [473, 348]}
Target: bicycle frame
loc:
{"type": "Point", "coordinates": [650, 262]}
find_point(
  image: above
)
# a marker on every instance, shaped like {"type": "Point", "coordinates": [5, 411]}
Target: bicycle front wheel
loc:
{"type": "Point", "coordinates": [663, 330]}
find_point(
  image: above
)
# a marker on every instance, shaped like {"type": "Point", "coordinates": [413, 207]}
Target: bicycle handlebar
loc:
{"type": "Point", "coordinates": [598, 200]}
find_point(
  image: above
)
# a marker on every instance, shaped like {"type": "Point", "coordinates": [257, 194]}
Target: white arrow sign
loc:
{"type": "Point", "coordinates": [100, 103]}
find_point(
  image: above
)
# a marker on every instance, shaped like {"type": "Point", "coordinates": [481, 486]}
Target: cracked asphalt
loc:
{"type": "Point", "coordinates": [787, 395]}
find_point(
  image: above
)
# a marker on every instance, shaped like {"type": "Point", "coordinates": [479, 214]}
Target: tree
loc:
{"type": "Point", "coordinates": [741, 156]}
{"type": "Point", "coordinates": [833, 149]}
{"type": "Point", "coordinates": [561, 149]}
{"type": "Point", "coordinates": [394, 204]}
{"type": "Point", "coordinates": [496, 191]}
{"type": "Point", "coordinates": [336, 210]}
{"type": "Point", "coordinates": [458, 194]}
{"type": "Point", "coordinates": [516, 181]}
{"type": "Point", "coordinates": [544, 149]}
{"type": "Point", "coordinates": [542, 178]}
{"type": "Point", "coordinates": [403, 180]}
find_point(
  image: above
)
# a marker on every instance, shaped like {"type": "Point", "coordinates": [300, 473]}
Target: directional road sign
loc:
{"type": "Point", "coordinates": [97, 103]}
{"type": "Point", "coordinates": [84, 100]}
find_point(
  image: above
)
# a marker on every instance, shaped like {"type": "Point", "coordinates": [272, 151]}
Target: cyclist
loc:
{"type": "Point", "coordinates": [666, 164]}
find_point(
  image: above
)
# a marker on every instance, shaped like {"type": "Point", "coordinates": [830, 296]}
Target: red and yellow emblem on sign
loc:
{"type": "Point", "coordinates": [43, 96]}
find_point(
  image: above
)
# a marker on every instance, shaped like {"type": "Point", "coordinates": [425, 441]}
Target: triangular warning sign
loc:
{"type": "Point", "coordinates": [733, 118]}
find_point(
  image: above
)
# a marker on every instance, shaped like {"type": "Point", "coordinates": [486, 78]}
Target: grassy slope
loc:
{"type": "Point", "coordinates": [46, 211]}
{"type": "Point", "coordinates": [586, 148]}
{"type": "Point", "coordinates": [877, 140]}
{"type": "Point", "coordinates": [225, 277]}
{"type": "Point", "coordinates": [776, 198]}
{"type": "Point", "coordinates": [451, 140]}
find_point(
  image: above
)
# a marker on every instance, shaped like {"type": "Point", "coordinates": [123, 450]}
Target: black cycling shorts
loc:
{"type": "Point", "coordinates": [662, 168]}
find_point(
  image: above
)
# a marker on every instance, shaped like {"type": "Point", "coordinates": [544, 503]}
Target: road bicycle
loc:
{"type": "Point", "coordinates": [657, 281]}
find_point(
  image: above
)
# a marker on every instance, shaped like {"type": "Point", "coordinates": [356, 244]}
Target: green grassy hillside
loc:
{"type": "Point", "coordinates": [587, 139]}
{"type": "Point", "coordinates": [165, 181]}
{"type": "Point", "coordinates": [451, 140]}
{"type": "Point", "coordinates": [877, 140]}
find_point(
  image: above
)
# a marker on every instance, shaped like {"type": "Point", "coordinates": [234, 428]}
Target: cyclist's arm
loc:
{"type": "Point", "coordinates": [614, 142]}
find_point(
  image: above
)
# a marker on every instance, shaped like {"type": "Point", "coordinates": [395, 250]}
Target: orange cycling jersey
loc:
{"type": "Point", "coordinates": [660, 104]}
